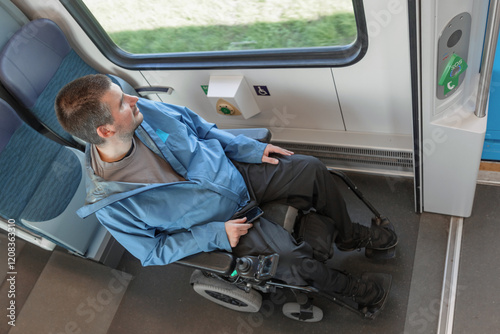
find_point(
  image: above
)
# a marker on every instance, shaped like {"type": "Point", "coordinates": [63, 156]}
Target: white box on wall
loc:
{"type": "Point", "coordinates": [232, 91]}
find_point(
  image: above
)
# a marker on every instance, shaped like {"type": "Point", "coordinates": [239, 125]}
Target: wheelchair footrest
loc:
{"type": "Point", "coordinates": [381, 254]}
{"type": "Point", "coordinates": [384, 280]}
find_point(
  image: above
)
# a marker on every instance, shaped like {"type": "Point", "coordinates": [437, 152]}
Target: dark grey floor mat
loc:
{"type": "Point", "coordinates": [72, 295]}
{"type": "Point", "coordinates": [478, 300]}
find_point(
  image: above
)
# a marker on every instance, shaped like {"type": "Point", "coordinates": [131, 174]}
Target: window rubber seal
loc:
{"type": "Point", "coordinates": [335, 56]}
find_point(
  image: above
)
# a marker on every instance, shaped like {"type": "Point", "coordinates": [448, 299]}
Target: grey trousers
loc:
{"type": "Point", "coordinates": [304, 183]}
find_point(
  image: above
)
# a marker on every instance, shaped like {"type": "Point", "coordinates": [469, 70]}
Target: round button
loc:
{"type": "Point", "coordinates": [454, 38]}
{"type": "Point", "coordinates": [456, 70]}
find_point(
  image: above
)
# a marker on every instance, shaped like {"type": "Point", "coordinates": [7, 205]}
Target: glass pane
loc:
{"type": "Point", "coordinates": [159, 26]}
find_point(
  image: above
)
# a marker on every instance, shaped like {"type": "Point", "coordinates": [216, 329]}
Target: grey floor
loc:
{"type": "Point", "coordinates": [478, 297]}
{"type": "Point", "coordinates": [58, 293]}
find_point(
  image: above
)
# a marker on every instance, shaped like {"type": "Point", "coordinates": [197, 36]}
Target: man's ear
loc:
{"type": "Point", "coordinates": [105, 131]}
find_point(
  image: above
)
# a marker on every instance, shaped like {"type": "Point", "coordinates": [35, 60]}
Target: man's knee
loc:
{"type": "Point", "coordinates": [309, 159]}
{"type": "Point", "coordinates": [309, 163]}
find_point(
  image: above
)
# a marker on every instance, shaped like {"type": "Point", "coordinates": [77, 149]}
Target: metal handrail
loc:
{"type": "Point", "coordinates": [490, 45]}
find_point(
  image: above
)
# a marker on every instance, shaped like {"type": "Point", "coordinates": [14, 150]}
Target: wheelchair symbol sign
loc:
{"type": "Point", "coordinates": [261, 90]}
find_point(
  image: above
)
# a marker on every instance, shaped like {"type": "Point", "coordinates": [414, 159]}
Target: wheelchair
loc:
{"type": "Point", "coordinates": [238, 283]}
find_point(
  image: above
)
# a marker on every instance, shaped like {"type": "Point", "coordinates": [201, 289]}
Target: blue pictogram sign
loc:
{"type": "Point", "coordinates": [261, 90]}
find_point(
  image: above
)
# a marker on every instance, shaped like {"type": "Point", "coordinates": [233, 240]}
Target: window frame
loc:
{"type": "Point", "coordinates": [334, 56]}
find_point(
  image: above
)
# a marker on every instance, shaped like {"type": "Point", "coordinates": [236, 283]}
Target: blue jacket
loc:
{"type": "Point", "coordinates": [162, 223]}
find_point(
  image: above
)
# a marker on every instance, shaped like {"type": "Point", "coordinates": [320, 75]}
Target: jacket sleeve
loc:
{"type": "Point", "coordinates": [239, 148]}
{"type": "Point", "coordinates": [154, 247]}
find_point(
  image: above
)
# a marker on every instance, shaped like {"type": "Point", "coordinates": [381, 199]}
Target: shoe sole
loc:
{"type": "Point", "coordinates": [371, 248]}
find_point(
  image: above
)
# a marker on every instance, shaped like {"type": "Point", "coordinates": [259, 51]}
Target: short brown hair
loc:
{"type": "Point", "coordinates": [79, 108]}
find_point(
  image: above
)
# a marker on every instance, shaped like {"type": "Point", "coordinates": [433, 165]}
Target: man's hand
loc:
{"type": "Point", "coordinates": [235, 229]}
{"type": "Point", "coordinates": [273, 149]}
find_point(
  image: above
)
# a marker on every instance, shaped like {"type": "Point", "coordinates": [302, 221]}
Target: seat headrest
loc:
{"type": "Point", "coordinates": [9, 123]}
{"type": "Point", "coordinates": [30, 58]}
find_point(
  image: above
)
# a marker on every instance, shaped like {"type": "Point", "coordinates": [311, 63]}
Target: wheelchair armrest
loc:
{"type": "Point", "coordinates": [221, 263]}
{"type": "Point", "coordinates": [261, 134]}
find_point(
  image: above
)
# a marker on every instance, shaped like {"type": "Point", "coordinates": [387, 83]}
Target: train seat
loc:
{"type": "Point", "coordinates": [45, 184]}
{"type": "Point", "coordinates": [35, 63]}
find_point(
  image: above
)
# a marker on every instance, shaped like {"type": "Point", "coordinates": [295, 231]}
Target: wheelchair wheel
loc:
{"type": "Point", "coordinates": [293, 311]}
{"type": "Point", "coordinates": [229, 296]}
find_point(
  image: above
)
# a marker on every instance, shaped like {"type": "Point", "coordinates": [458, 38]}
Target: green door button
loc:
{"type": "Point", "coordinates": [449, 79]}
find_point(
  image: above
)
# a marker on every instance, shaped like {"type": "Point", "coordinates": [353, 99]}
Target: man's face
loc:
{"type": "Point", "coordinates": [124, 111]}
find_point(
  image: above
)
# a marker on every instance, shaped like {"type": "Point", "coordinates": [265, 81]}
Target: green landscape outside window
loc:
{"type": "Point", "coordinates": [170, 26]}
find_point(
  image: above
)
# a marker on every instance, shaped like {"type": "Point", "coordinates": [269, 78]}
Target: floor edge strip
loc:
{"type": "Point", "coordinates": [450, 280]}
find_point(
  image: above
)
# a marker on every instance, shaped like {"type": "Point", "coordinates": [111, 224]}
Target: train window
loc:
{"type": "Point", "coordinates": [224, 33]}
{"type": "Point", "coordinates": [156, 26]}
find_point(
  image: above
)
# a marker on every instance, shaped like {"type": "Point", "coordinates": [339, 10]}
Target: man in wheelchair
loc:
{"type": "Point", "coordinates": [168, 185]}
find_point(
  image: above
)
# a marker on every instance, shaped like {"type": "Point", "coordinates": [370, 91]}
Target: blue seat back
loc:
{"type": "Point", "coordinates": [30, 59]}
{"type": "Point", "coordinates": [35, 64]}
{"type": "Point", "coordinates": [38, 176]}
{"type": "Point", "coordinates": [9, 123]}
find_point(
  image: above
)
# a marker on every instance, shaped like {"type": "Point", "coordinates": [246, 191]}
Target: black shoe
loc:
{"type": "Point", "coordinates": [363, 292]}
{"type": "Point", "coordinates": [375, 237]}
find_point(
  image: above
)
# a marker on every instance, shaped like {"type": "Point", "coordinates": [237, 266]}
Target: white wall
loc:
{"type": "Point", "coordinates": [375, 94]}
